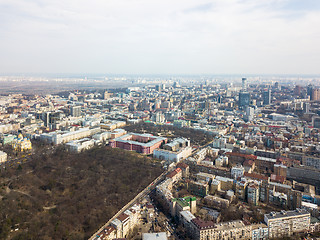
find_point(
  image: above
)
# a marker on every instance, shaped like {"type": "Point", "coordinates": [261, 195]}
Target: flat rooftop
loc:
{"type": "Point", "coordinates": [286, 214]}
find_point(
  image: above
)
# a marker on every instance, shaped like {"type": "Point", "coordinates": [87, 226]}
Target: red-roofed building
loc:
{"type": "Point", "coordinates": [185, 169]}
{"type": "Point", "coordinates": [201, 224]}
{"type": "Point", "coordinates": [277, 178]}
{"type": "Point", "coordinates": [108, 233]}
{"type": "Point", "coordinates": [236, 158]}
{"type": "Point", "coordinates": [175, 175]}
{"type": "Point", "coordinates": [256, 176]}
{"type": "Point", "coordinates": [249, 165]}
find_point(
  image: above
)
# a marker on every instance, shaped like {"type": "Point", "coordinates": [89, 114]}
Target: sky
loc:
{"type": "Point", "coordinates": [160, 36]}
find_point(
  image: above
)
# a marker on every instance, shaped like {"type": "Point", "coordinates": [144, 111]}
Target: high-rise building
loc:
{"type": "Point", "coordinates": [266, 97]}
{"type": "Point", "coordinates": [244, 99]}
{"type": "Point", "coordinates": [294, 199]}
{"type": "Point", "coordinates": [76, 111]}
{"type": "Point", "coordinates": [280, 170]}
{"type": "Point", "coordinates": [253, 193]}
{"type": "Point", "coordinates": [50, 118]}
{"type": "Point", "coordinates": [315, 94]}
{"type": "Point", "coordinates": [160, 87]}
{"type": "Point", "coordinates": [309, 90]}
{"type": "Point", "coordinates": [297, 90]}
{"type": "Point", "coordinates": [249, 113]}
{"type": "Point", "coordinates": [244, 84]}
{"type": "Point", "coordinates": [306, 107]}
{"type": "Point", "coordinates": [316, 122]}
{"type": "Point", "coordinates": [106, 95]}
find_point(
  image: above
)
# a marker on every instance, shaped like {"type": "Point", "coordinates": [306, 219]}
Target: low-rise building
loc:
{"type": "Point", "coordinates": [172, 156]}
{"type": "Point", "coordinates": [107, 233]}
{"type": "Point", "coordinates": [7, 139]}
{"type": "Point", "coordinates": [59, 137]}
{"type": "Point", "coordinates": [3, 157]}
{"type": "Point", "coordinates": [80, 145]}
{"type": "Point", "coordinates": [154, 236]}
{"type": "Point", "coordinates": [111, 125]}
{"type": "Point", "coordinates": [21, 144]}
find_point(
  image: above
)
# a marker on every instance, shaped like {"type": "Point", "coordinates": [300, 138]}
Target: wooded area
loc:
{"type": "Point", "coordinates": [59, 195]}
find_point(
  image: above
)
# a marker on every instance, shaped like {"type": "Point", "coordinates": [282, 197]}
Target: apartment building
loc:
{"type": "Point", "coordinates": [183, 204]}
{"type": "Point", "coordinates": [259, 231]}
{"type": "Point", "coordinates": [203, 230]}
{"type": "Point", "coordinates": [253, 193]}
{"type": "Point", "coordinates": [198, 188]}
{"type": "Point", "coordinates": [286, 223]}
{"type": "Point", "coordinates": [185, 169]}
{"type": "Point", "coordinates": [216, 202]}
{"type": "Point", "coordinates": [237, 171]}
{"type": "Point", "coordinates": [124, 222]}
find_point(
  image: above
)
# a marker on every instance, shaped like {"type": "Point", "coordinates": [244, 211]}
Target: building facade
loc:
{"type": "Point", "coordinates": [286, 223]}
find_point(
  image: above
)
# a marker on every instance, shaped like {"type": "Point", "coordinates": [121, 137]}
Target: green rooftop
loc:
{"type": "Point", "coordinates": [184, 202]}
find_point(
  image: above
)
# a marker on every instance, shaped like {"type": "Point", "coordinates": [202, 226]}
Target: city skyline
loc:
{"type": "Point", "coordinates": [143, 37]}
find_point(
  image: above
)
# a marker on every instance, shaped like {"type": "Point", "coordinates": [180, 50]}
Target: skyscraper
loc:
{"type": "Point", "coordinates": [244, 84]}
{"type": "Point", "coordinates": [309, 90]}
{"type": "Point", "coordinates": [315, 94]}
{"type": "Point", "coordinates": [244, 99]}
{"type": "Point", "coordinates": [244, 96]}
{"type": "Point", "coordinates": [266, 97]}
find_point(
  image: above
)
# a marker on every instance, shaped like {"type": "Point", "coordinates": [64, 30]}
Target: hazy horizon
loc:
{"type": "Point", "coordinates": [190, 37]}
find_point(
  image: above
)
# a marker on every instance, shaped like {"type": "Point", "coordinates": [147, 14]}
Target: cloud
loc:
{"type": "Point", "coordinates": [151, 36]}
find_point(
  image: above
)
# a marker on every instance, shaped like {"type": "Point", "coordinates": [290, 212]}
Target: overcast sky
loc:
{"type": "Point", "coordinates": [160, 36]}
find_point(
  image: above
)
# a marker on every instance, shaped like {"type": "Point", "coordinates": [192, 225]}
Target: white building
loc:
{"type": "Point", "coordinates": [222, 161]}
{"type": "Point", "coordinates": [102, 136]}
{"type": "Point", "coordinates": [285, 223]}
{"type": "Point", "coordinates": [59, 137]}
{"type": "Point", "coordinates": [3, 157]}
{"type": "Point", "coordinates": [172, 156]}
{"type": "Point", "coordinates": [154, 236]}
{"type": "Point", "coordinates": [80, 145]}
{"type": "Point", "coordinates": [237, 171]}
{"type": "Point", "coordinates": [259, 232]}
